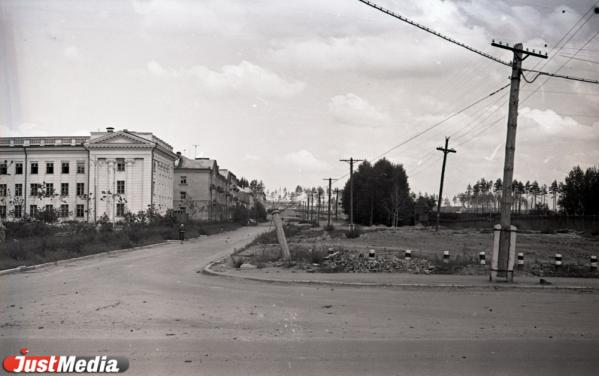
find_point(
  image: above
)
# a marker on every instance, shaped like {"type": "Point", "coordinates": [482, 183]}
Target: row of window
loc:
{"type": "Point", "coordinates": [33, 210]}
{"type": "Point", "coordinates": [47, 189]}
{"type": "Point", "coordinates": [65, 167]}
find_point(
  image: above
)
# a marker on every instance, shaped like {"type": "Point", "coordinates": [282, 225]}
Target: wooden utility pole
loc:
{"type": "Point", "coordinates": [336, 202]}
{"type": "Point", "coordinates": [445, 150]}
{"type": "Point", "coordinates": [351, 189]}
{"type": "Point", "coordinates": [508, 166]}
{"type": "Point", "coordinates": [329, 212]}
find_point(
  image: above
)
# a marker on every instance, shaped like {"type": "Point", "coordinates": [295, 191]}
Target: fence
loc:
{"type": "Point", "coordinates": [589, 223]}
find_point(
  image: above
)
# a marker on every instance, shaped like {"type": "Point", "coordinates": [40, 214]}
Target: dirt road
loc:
{"type": "Point", "coordinates": [153, 307]}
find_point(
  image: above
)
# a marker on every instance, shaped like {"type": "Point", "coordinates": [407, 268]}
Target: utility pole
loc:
{"type": "Point", "coordinates": [351, 189]}
{"type": "Point", "coordinates": [336, 202]}
{"type": "Point", "coordinates": [329, 212]}
{"type": "Point", "coordinates": [195, 151]}
{"type": "Point", "coordinates": [505, 234]}
{"type": "Point", "coordinates": [445, 150]}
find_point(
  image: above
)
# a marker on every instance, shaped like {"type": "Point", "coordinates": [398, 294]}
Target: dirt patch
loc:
{"type": "Point", "coordinates": [316, 250]}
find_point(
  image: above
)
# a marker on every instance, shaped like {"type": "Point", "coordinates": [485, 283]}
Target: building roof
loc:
{"type": "Point", "coordinates": [198, 163]}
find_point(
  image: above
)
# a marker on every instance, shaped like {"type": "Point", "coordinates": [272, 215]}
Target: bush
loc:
{"type": "Point", "coordinates": [354, 233]}
{"type": "Point", "coordinates": [329, 228]}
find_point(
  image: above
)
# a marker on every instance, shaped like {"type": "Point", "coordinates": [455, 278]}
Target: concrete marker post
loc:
{"type": "Point", "coordinates": [371, 254]}
{"type": "Point", "coordinates": [482, 258]}
{"type": "Point", "coordinates": [520, 260]}
{"type": "Point", "coordinates": [446, 257]}
{"type": "Point", "coordinates": [593, 263]}
{"type": "Point", "coordinates": [408, 254]}
{"type": "Point", "coordinates": [558, 261]}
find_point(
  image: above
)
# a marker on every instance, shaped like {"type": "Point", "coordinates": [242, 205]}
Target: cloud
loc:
{"type": "Point", "coordinates": [552, 124]}
{"type": "Point", "coordinates": [304, 160]}
{"type": "Point", "coordinates": [251, 157]}
{"type": "Point", "coordinates": [72, 53]}
{"type": "Point", "coordinates": [244, 78]}
{"type": "Point", "coordinates": [352, 109]}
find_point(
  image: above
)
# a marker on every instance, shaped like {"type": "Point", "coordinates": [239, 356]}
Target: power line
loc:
{"type": "Point", "coordinates": [436, 33]}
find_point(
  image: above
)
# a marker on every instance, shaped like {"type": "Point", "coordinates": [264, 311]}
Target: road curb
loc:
{"type": "Point", "coordinates": [207, 270]}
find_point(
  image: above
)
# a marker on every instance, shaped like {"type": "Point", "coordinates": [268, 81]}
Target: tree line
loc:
{"type": "Point", "coordinates": [578, 194]}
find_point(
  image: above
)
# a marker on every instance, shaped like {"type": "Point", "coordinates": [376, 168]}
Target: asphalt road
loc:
{"type": "Point", "coordinates": [152, 306]}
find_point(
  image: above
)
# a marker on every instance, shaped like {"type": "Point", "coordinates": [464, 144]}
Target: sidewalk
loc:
{"type": "Point", "coordinates": [405, 280]}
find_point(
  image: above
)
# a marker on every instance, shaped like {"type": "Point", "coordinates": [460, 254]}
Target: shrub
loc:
{"type": "Point", "coordinates": [329, 228]}
{"type": "Point", "coordinates": [354, 233]}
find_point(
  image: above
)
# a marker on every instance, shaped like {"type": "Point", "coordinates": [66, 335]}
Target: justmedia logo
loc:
{"type": "Point", "coordinates": [64, 363]}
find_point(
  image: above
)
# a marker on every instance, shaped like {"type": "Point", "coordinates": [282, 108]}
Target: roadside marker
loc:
{"type": "Point", "coordinates": [593, 263]}
{"type": "Point", "coordinates": [408, 254]}
{"type": "Point", "coordinates": [520, 260]}
{"type": "Point", "coordinates": [446, 257]}
{"type": "Point", "coordinates": [482, 258]}
{"type": "Point", "coordinates": [558, 260]}
{"type": "Point", "coordinates": [371, 253]}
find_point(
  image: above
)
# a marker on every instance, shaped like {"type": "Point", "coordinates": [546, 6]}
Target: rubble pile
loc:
{"type": "Point", "coordinates": [356, 262]}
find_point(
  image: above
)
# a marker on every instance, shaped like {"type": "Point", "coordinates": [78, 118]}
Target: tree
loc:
{"type": "Point", "coordinates": [381, 194]}
{"type": "Point", "coordinates": [573, 189]}
{"type": "Point", "coordinates": [554, 190]}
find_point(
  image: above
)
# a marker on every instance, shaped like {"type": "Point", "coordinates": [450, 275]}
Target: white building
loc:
{"type": "Point", "coordinates": [108, 173]}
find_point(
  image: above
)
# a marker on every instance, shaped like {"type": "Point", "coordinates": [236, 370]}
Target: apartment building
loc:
{"type": "Point", "coordinates": [86, 177]}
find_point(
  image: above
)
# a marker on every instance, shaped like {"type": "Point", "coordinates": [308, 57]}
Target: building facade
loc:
{"type": "Point", "coordinates": [202, 191]}
{"type": "Point", "coordinates": [86, 178]}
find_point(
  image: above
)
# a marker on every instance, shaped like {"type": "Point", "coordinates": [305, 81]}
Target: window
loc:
{"type": "Point", "coordinates": [120, 187]}
{"type": "Point", "coordinates": [2, 190]}
{"type": "Point", "coordinates": [3, 168]}
{"type": "Point", "coordinates": [64, 210]}
{"type": "Point", "coordinates": [2, 211]}
{"type": "Point", "coordinates": [49, 189]}
{"type": "Point", "coordinates": [183, 195]}
{"type": "Point", "coordinates": [49, 209]}
{"type": "Point", "coordinates": [19, 168]}
{"type": "Point", "coordinates": [80, 211]}
{"type": "Point", "coordinates": [49, 167]}
{"type": "Point", "coordinates": [34, 168]}
{"type": "Point", "coordinates": [80, 167]}
{"type": "Point", "coordinates": [18, 190]}
{"type": "Point", "coordinates": [18, 211]}
{"type": "Point", "coordinates": [183, 180]}
{"type": "Point", "coordinates": [80, 189]}
{"type": "Point", "coordinates": [34, 189]}
{"type": "Point", "coordinates": [33, 210]}
{"type": "Point", "coordinates": [64, 189]}
{"type": "Point", "coordinates": [120, 210]}
{"type": "Point", "coordinates": [120, 164]}
{"type": "Point", "coordinates": [65, 167]}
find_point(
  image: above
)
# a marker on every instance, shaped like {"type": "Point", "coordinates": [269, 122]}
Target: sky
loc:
{"type": "Point", "coordinates": [280, 91]}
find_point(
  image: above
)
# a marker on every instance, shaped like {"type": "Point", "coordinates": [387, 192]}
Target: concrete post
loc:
{"type": "Point", "coordinates": [276, 218]}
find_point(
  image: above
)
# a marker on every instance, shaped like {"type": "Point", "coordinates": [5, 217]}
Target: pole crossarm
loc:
{"type": "Point", "coordinates": [514, 49]}
{"type": "Point", "coordinates": [436, 33]}
{"type": "Point", "coordinates": [541, 73]}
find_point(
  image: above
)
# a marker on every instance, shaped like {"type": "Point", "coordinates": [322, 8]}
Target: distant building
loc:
{"type": "Point", "coordinates": [108, 173]}
{"type": "Point", "coordinates": [202, 190]}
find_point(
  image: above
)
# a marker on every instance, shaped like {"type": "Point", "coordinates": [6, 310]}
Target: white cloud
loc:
{"type": "Point", "coordinates": [304, 160]}
{"type": "Point", "coordinates": [352, 109]}
{"type": "Point", "coordinates": [551, 123]}
{"type": "Point", "coordinates": [72, 53]}
{"type": "Point", "coordinates": [246, 78]}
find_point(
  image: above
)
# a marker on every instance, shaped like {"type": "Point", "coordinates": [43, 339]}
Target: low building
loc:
{"type": "Point", "coordinates": [86, 178]}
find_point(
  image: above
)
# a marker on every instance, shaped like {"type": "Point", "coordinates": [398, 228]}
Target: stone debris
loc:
{"type": "Point", "coordinates": [355, 262]}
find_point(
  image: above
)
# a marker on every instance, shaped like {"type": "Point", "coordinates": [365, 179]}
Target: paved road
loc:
{"type": "Point", "coordinates": [153, 307]}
